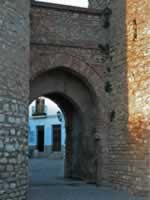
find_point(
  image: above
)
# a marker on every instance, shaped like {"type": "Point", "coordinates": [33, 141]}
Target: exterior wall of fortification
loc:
{"type": "Point", "coordinates": [128, 142]}
{"type": "Point", "coordinates": [65, 25]}
{"type": "Point", "coordinates": [14, 92]}
{"type": "Point", "coordinates": [85, 55]}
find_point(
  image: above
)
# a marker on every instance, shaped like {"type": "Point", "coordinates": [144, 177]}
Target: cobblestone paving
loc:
{"type": "Point", "coordinates": [47, 183]}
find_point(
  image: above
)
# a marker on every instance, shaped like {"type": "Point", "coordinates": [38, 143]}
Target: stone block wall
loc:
{"type": "Point", "coordinates": [138, 76]}
{"type": "Point", "coordinates": [127, 165]}
{"type": "Point", "coordinates": [66, 25]}
{"type": "Point", "coordinates": [98, 4]}
{"type": "Point", "coordinates": [129, 144]}
{"type": "Point", "coordinates": [14, 90]}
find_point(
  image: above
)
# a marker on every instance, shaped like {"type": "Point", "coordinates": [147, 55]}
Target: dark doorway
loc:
{"type": "Point", "coordinates": [56, 138]}
{"type": "Point", "coordinates": [40, 138]}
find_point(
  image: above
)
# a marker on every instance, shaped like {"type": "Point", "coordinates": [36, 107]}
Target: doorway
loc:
{"type": "Point", "coordinates": [56, 130]}
{"type": "Point", "coordinates": [40, 138]}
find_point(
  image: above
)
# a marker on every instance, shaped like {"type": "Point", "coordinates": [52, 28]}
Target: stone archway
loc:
{"type": "Point", "coordinates": [80, 110]}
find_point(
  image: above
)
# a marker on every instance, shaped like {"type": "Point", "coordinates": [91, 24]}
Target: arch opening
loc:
{"type": "Point", "coordinates": [46, 135]}
{"type": "Point", "coordinates": [76, 101]}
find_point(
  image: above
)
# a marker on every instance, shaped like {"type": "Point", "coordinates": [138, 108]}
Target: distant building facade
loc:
{"type": "Point", "coordinates": [46, 130]}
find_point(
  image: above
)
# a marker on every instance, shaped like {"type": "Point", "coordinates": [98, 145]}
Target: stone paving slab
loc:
{"type": "Point", "coordinates": [47, 183]}
{"type": "Point", "coordinates": [85, 192]}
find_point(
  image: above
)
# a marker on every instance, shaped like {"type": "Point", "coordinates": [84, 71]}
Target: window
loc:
{"type": "Point", "coordinates": [39, 107]}
{"type": "Point", "coordinates": [56, 146]}
{"type": "Point", "coordinates": [79, 3]}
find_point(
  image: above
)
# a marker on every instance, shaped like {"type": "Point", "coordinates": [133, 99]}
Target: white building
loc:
{"type": "Point", "coordinates": [46, 129]}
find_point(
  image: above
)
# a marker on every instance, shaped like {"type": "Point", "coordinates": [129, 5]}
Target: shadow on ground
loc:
{"type": "Point", "coordinates": [47, 183]}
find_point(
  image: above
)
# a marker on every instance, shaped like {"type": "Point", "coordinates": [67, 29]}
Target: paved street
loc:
{"type": "Point", "coordinates": [47, 183]}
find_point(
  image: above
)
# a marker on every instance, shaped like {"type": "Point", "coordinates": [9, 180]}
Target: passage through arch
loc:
{"type": "Point", "coordinates": [79, 106]}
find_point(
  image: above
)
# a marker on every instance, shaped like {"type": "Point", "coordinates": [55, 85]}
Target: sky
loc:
{"type": "Point", "coordinates": [80, 3]}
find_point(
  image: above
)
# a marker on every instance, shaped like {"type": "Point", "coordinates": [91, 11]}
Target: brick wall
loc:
{"type": "Point", "coordinates": [127, 166]}
{"type": "Point", "coordinates": [66, 25]}
{"type": "Point", "coordinates": [138, 74]}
